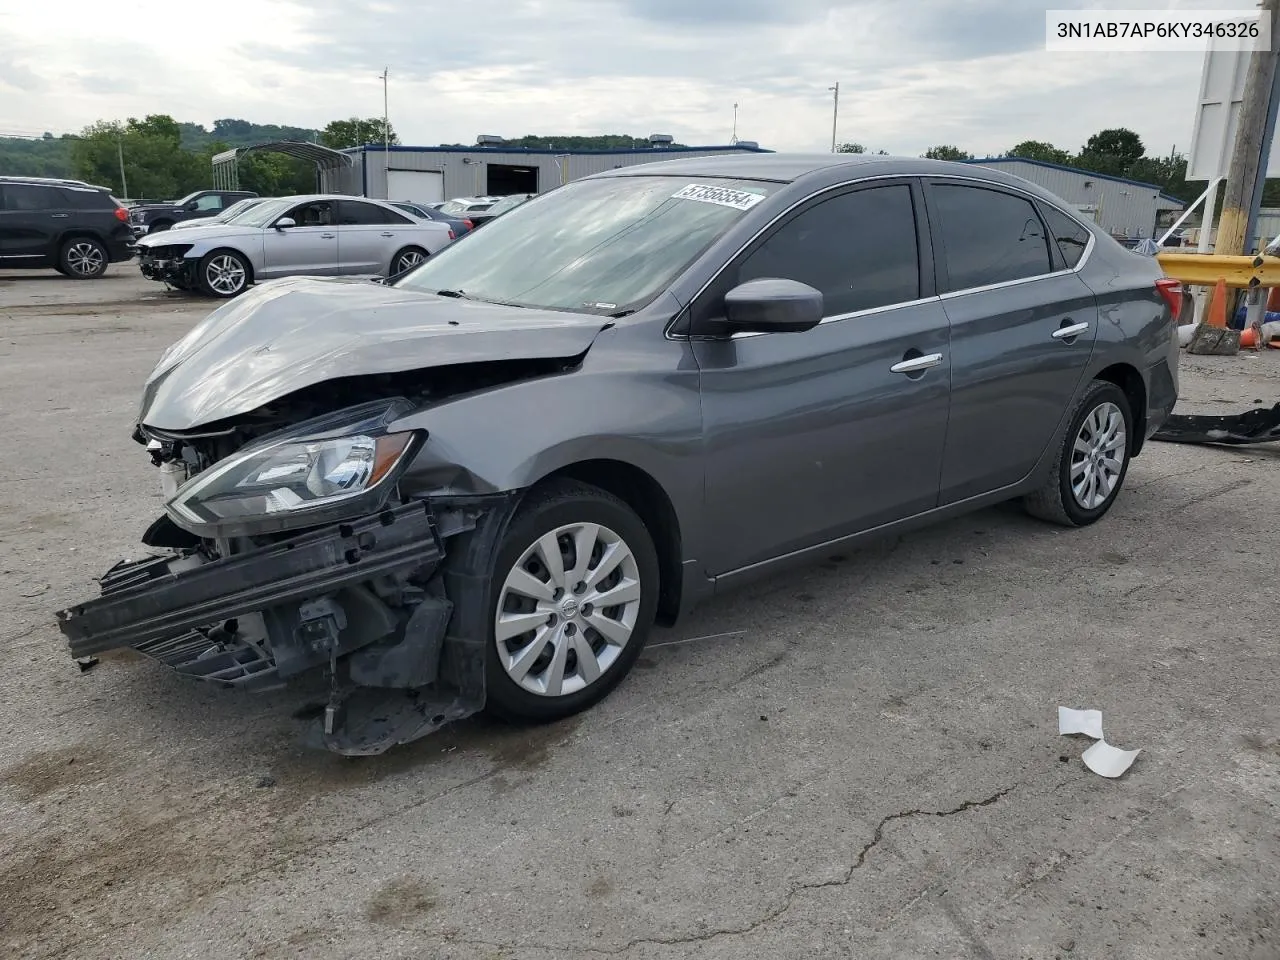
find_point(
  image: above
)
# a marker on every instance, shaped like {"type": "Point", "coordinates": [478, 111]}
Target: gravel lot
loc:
{"type": "Point", "coordinates": [860, 760]}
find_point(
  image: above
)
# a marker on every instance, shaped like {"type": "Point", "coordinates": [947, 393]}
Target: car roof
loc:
{"type": "Point", "coordinates": [50, 182]}
{"type": "Point", "coordinates": [789, 168]}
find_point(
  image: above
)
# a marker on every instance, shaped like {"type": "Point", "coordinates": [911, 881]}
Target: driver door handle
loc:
{"type": "Point", "coordinates": [916, 364]}
{"type": "Point", "coordinates": [387, 233]}
{"type": "Point", "coordinates": [59, 216]}
{"type": "Point", "coordinates": [327, 236]}
{"type": "Point", "coordinates": [1074, 330]}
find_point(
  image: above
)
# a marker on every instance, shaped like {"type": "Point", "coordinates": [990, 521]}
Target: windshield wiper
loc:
{"type": "Point", "coordinates": [457, 294]}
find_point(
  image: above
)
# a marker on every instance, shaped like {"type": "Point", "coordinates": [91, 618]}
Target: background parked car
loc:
{"type": "Point", "coordinates": [499, 208]}
{"type": "Point", "coordinates": [316, 235]}
{"type": "Point", "coordinates": [75, 228]}
{"type": "Point", "coordinates": [460, 225]}
{"type": "Point", "coordinates": [227, 215]}
{"type": "Point", "coordinates": [467, 206]}
{"type": "Point", "coordinates": [150, 217]}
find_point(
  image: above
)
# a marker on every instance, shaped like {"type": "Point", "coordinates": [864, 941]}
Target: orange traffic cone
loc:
{"type": "Point", "coordinates": [1249, 338]}
{"type": "Point", "coordinates": [1216, 315]}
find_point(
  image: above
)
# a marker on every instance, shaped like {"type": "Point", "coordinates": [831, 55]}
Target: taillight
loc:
{"type": "Point", "coordinates": [452, 235]}
{"type": "Point", "coordinates": [469, 224]}
{"type": "Point", "coordinates": [122, 214]}
{"type": "Point", "coordinates": [1171, 290]}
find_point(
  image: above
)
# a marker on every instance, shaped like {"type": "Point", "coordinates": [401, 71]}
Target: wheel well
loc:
{"type": "Point", "coordinates": [645, 496]}
{"type": "Point", "coordinates": [75, 234]}
{"type": "Point", "coordinates": [1130, 381]}
{"type": "Point", "coordinates": [248, 264]}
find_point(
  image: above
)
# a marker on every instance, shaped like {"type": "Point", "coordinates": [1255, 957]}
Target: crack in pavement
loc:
{"type": "Point", "coordinates": [787, 901]}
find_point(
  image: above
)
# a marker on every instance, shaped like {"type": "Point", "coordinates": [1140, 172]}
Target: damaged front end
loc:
{"type": "Point", "coordinates": [285, 551]}
{"type": "Point", "coordinates": [168, 264]}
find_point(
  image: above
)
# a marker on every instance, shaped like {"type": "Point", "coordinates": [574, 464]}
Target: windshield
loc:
{"type": "Point", "coordinates": [506, 203]}
{"type": "Point", "coordinates": [596, 246]}
{"type": "Point", "coordinates": [464, 206]}
{"type": "Point", "coordinates": [263, 213]}
{"type": "Point", "coordinates": [188, 198]}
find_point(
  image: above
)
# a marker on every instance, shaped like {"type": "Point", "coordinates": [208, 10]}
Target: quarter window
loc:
{"type": "Point", "coordinates": [1071, 237]}
{"type": "Point", "coordinates": [989, 236]}
{"type": "Point", "coordinates": [859, 249]}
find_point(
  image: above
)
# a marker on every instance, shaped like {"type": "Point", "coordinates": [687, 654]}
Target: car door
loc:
{"type": "Point", "coordinates": [31, 218]}
{"type": "Point", "coordinates": [369, 236]}
{"type": "Point", "coordinates": [1023, 325]}
{"type": "Point", "coordinates": [308, 247]}
{"type": "Point", "coordinates": [817, 435]}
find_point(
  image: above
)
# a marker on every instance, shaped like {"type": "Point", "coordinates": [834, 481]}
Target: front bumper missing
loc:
{"type": "Point", "coordinates": [175, 271]}
{"type": "Point", "coordinates": [400, 678]}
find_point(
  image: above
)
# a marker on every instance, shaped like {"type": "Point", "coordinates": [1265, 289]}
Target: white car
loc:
{"type": "Point", "coordinates": [319, 235]}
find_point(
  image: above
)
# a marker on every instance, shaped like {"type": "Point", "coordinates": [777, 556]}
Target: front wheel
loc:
{"type": "Point", "coordinates": [223, 273]}
{"type": "Point", "coordinates": [574, 594]}
{"type": "Point", "coordinates": [1092, 460]}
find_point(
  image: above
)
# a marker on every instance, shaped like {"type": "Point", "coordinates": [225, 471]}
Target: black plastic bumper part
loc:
{"type": "Point", "coordinates": [145, 602]}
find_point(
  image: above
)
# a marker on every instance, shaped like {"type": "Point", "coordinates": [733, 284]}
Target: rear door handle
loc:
{"type": "Point", "coordinates": [916, 364]}
{"type": "Point", "coordinates": [388, 234]}
{"type": "Point", "coordinates": [1074, 330]}
{"type": "Point", "coordinates": [327, 236]}
{"type": "Point", "coordinates": [59, 216]}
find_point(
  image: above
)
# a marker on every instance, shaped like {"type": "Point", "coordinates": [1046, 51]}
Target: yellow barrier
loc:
{"type": "Point", "coordinates": [1205, 270]}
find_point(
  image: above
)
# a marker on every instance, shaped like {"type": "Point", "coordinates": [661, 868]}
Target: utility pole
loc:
{"type": "Point", "coordinates": [1247, 160]}
{"type": "Point", "coordinates": [124, 184]}
{"type": "Point", "coordinates": [835, 111]}
{"type": "Point", "coordinates": [734, 137]}
{"type": "Point", "coordinates": [386, 123]}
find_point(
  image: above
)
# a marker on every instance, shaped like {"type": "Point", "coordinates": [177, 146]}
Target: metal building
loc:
{"type": "Point", "coordinates": [428, 174]}
{"type": "Point", "coordinates": [1124, 208]}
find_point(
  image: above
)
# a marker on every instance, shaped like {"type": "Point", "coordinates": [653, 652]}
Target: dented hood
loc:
{"type": "Point", "coordinates": [288, 334]}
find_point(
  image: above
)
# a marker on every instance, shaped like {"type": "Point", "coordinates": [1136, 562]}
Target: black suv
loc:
{"type": "Point", "coordinates": [69, 225]}
{"type": "Point", "coordinates": [150, 217]}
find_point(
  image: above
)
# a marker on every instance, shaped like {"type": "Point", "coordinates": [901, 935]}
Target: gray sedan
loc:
{"type": "Point", "coordinates": [322, 235]}
{"type": "Point", "coordinates": [480, 485]}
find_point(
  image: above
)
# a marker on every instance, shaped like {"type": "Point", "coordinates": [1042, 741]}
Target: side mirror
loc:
{"type": "Point", "coordinates": [773, 305]}
{"type": "Point", "coordinates": [285, 222]}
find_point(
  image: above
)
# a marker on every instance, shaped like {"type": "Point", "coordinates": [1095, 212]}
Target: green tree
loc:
{"type": "Point", "coordinates": [155, 165]}
{"type": "Point", "coordinates": [946, 152]}
{"type": "Point", "coordinates": [355, 132]}
{"type": "Point", "coordinates": [1111, 151]}
{"type": "Point", "coordinates": [851, 148]}
{"type": "Point", "coordinates": [1040, 150]}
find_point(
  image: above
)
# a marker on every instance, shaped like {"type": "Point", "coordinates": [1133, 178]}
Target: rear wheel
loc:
{"type": "Point", "coordinates": [223, 273]}
{"type": "Point", "coordinates": [1092, 460]}
{"type": "Point", "coordinates": [82, 258]}
{"type": "Point", "coordinates": [406, 260]}
{"type": "Point", "coordinates": [574, 594]}
{"type": "Point", "coordinates": [158, 226]}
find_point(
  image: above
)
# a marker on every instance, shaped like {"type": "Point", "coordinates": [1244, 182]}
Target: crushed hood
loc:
{"type": "Point", "coordinates": [285, 335]}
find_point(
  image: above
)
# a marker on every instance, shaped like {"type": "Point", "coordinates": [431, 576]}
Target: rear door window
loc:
{"type": "Point", "coordinates": [1072, 238]}
{"type": "Point", "coordinates": [988, 236]}
{"type": "Point", "coordinates": [354, 213]}
{"type": "Point", "coordinates": [26, 197]}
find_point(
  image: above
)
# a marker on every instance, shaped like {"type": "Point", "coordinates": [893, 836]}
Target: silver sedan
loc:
{"type": "Point", "coordinates": [320, 235]}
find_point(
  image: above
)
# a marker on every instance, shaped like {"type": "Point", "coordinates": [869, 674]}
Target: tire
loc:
{"type": "Point", "coordinates": [158, 226]}
{"type": "Point", "coordinates": [82, 258]}
{"type": "Point", "coordinates": [405, 260]}
{"type": "Point", "coordinates": [1095, 416]}
{"type": "Point", "coordinates": [223, 274]}
{"type": "Point", "coordinates": [519, 678]}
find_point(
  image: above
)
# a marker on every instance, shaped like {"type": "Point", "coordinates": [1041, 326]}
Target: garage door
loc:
{"type": "Point", "coordinates": [421, 186]}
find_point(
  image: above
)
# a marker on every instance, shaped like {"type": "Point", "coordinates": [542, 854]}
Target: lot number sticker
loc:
{"type": "Point", "coordinates": [738, 199]}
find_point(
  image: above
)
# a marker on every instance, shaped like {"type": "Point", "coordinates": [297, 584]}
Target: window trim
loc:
{"type": "Point", "coordinates": [668, 331]}
{"type": "Point", "coordinates": [925, 261]}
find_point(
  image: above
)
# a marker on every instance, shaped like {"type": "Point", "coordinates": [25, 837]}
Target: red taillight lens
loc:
{"type": "Point", "coordinates": [1171, 290]}
{"type": "Point", "coordinates": [469, 224]}
{"type": "Point", "coordinates": [122, 214]}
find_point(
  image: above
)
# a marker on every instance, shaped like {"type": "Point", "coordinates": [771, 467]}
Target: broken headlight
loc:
{"type": "Point", "coordinates": [322, 471]}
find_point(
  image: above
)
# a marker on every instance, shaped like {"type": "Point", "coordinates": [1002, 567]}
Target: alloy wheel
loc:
{"type": "Point", "coordinates": [1098, 455]}
{"type": "Point", "coordinates": [225, 274]}
{"type": "Point", "coordinates": [85, 258]}
{"type": "Point", "coordinates": [567, 609]}
{"type": "Point", "coordinates": [408, 260]}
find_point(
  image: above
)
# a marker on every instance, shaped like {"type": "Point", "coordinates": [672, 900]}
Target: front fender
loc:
{"type": "Point", "coordinates": [633, 400]}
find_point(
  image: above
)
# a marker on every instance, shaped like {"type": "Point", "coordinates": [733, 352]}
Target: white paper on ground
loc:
{"type": "Point", "coordinates": [1088, 722]}
{"type": "Point", "coordinates": [1108, 761]}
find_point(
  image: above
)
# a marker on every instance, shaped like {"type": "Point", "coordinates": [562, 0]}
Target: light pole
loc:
{"type": "Point", "coordinates": [835, 113]}
{"type": "Point", "coordinates": [124, 184]}
{"type": "Point", "coordinates": [734, 137]}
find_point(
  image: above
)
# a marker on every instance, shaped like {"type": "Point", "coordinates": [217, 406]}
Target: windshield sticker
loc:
{"type": "Point", "coordinates": [738, 199]}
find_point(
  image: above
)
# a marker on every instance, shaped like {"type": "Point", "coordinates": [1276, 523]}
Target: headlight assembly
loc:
{"type": "Point", "coordinates": [319, 472]}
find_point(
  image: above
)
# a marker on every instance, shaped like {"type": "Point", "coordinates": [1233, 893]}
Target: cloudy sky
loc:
{"type": "Point", "coordinates": [912, 73]}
